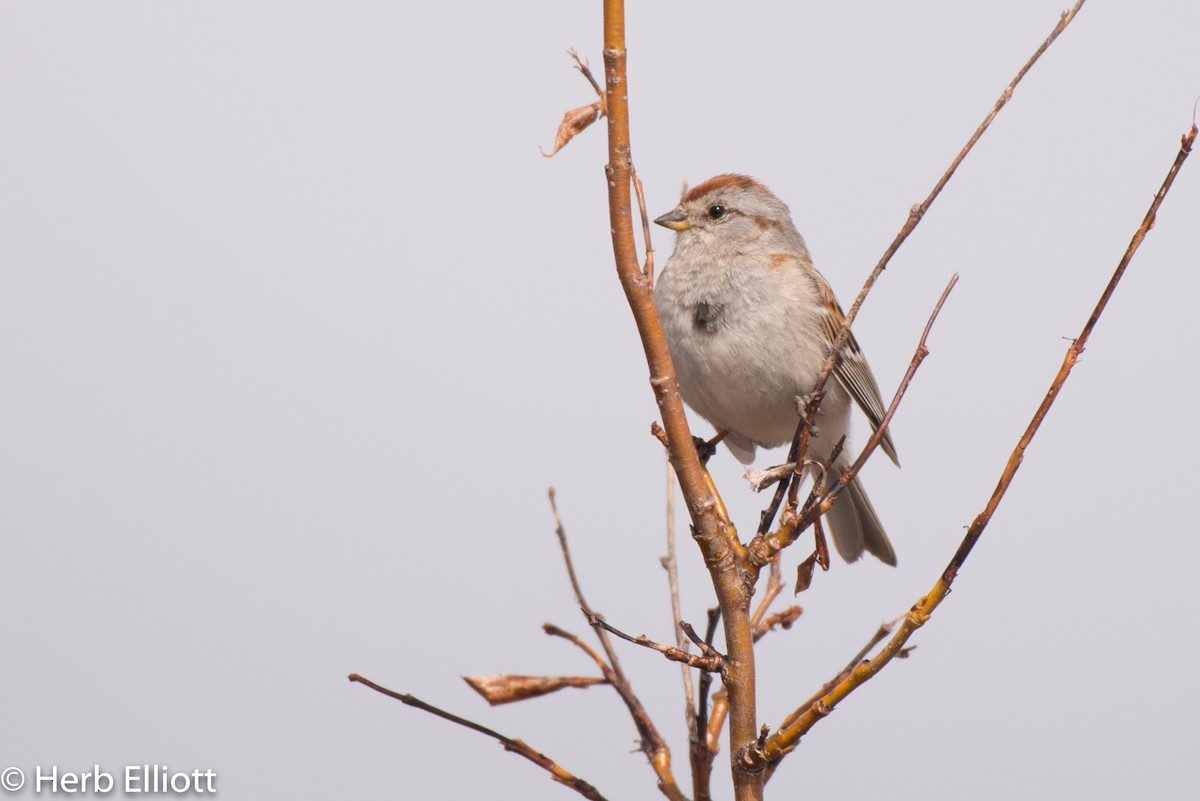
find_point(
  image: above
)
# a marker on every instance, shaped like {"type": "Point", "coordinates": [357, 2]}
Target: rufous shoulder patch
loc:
{"type": "Point", "coordinates": [780, 259]}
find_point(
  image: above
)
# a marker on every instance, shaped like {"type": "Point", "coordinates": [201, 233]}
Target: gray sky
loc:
{"type": "Point", "coordinates": [297, 326]}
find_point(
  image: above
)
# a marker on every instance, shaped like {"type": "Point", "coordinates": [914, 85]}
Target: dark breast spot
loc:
{"type": "Point", "coordinates": [707, 316]}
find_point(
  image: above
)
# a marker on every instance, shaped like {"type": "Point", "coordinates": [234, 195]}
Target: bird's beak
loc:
{"type": "Point", "coordinates": [674, 219]}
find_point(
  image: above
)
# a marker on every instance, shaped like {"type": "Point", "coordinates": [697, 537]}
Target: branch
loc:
{"type": "Point", "coordinates": [519, 747]}
{"type": "Point", "coordinates": [915, 215]}
{"type": "Point", "coordinates": [1073, 352]}
{"type": "Point", "coordinates": [561, 533]}
{"type": "Point", "coordinates": [713, 531]}
{"type": "Point", "coordinates": [788, 736]}
{"type": "Point", "coordinates": [704, 748]}
{"type": "Point", "coordinates": [711, 661]}
{"type": "Point", "coordinates": [653, 745]}
{"type": "Point", "coordinates": [671, 564]}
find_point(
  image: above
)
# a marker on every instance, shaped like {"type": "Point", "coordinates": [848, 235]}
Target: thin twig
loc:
{"type": "Point", "coordinates": [770, 593]}
{"type": "Point", "coordinates": [561, 533]}
{"type": "Point", "coordinates": [760, 620]}
{"type": "Point", "coordinates": [767, 517]}
{"type": "Point", "coordinates": [555, 631]}
{"type": "Point", "coordinates": [519, 747]}
{"type": "Point", "coordinates": [915, 215]}
{"type": "Point", "coordinates": [648, 263]}
{"type": "Point", "coordinates": [710, 632]}
{"type": "Point", "coordinates": [783, 619]}
{"type": "Point", "coordinates": [1073, 352]}
{"type": "Point", "coordinates": [787, 737]}
{"type": "Point", "coordinates": [704, 748]}
{"type": "Point", "coordinates": [653, 744]}
{"type": "Point", "coordinates": [711, 661]}
{"type": "Point", "coordinates": [671, 564]}
{"type": "Point", "coordinates": [879, 636]}
{"type": "Point", "coordinates": [586, 70]}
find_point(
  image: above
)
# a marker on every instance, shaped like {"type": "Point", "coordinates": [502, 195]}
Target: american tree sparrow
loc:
{"type": "Point", "coordinates": [749, 322]}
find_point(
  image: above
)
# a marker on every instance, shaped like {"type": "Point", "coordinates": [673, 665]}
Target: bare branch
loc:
{"type": "Point", "coordinates": [711, 661]}
{"type": "Point", "coordinates": [556, 771]}
{"type": "Point", "coordinates": [561, 533]}
{"type": "Point", "coordinates": [1073, 352]}
{"type": "Point", "coordinates": [714, 533]}
{"type": "Point", "coordinates": [915, 215]}
{"type": "Point", "coordinates": [670, 563]}
{"type": "Point", "coordinates": [648, 264]}
{"type": "Point", "coordinates": [788, 736]}
{"type": "Point", "coordinates": [783, 619]}
{"type": "Point", "coordinates": [605, 668]}
{"type": "Point", "coordinates": [586, 71]}
{"type": "Point", "coordinates": [703, 749]}
{"type": "Point", "coordinates": [653, 745]}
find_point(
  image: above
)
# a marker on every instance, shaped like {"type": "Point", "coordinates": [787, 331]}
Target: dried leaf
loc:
{"type": "Point", "coordinates": [505, 688]}
{"type": "Point", "coordinates": [804, 574]}
{"type": "Point", "coordinates": [575, 122]}
{"type": "Point", "coordinates": [822, 548]}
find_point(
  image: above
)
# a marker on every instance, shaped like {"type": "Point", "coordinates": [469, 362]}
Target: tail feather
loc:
{"type": "Point", "coordinates": [855, 527]}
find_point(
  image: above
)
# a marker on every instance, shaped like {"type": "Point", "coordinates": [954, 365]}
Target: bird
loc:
{"type": "Point", "coordinates": [749, 322]}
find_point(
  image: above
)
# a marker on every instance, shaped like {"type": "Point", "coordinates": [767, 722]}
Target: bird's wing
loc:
{"type": "Point", "coordinates": [852, 370]}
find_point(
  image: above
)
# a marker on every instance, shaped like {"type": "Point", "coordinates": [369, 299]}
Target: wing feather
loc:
{"type": "Point", "coordinates": [853, 372]}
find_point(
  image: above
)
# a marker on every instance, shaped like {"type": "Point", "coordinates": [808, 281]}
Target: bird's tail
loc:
{"type": "Point", "coordinates": [855, 527]}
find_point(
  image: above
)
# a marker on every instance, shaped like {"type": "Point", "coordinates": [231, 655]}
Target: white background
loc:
{"type": "Point", "coordinates": [297, 327]}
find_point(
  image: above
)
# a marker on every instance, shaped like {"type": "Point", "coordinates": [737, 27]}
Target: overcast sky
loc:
{"type": "Point", "coordinates": [297, 326]}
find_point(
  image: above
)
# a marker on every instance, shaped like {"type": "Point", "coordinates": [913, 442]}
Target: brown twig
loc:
{"type": "Point", "coordinates": [710, 633]}
{"type": "Point", "coordinates": [711, 661]}
{"type": "Point", "coordinates": [519, 747]}
{"type": "Point", "coordinates": [648, 263]}
{"type": "Point", "coordinates": [585, 69]}
{"type": "Point", "coordinates": [653, 744]}
{"type": "Point", "coordinates": [561, 532]}
{"type": "Point", "coordinates": [915, 215]}
{"type": "Point", "coordinates": [787, 737]}
{"type": "Point", "coordinates": [767, 516]}
{"type": "Point", "coordinates": [783, 619]}
{"type": "Point", "coordinates": [880, 634]}
{"type": "Point", "coordinates": [713, 531]}
{"type": "Point", "coordinates": [555, 631]}
{"type": "Point", "coordinates": [704, 748]}
{"type": "Point", "coordinates": [670, 563]}
{"type": "Point", "coordinates": [760, 620]}
{"type": "Point", "coordinates": [770, 593]}
{"type": "Point", "coordinates": [1073, 352]}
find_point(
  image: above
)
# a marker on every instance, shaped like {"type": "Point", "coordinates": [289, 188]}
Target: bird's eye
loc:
{"type": "Point", "coordinates": [717, 212]}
